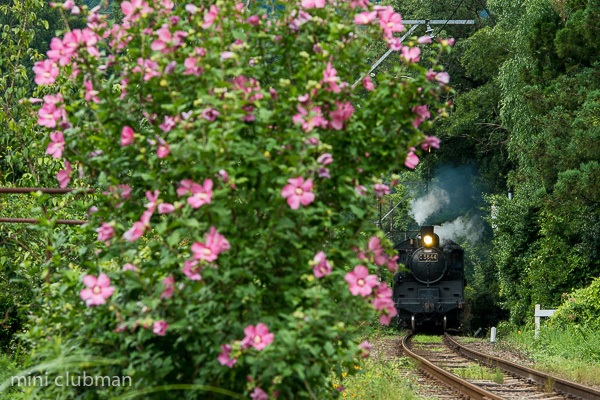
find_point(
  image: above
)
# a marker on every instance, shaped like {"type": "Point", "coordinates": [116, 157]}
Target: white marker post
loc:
{"type": "Point", "coordinates": [538, 314]}
{"type": "Point", "coordinates": [493, 335]}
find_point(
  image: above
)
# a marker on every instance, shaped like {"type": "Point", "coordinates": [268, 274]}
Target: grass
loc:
{"type": "Point", "coordinates": [480, 372]}
{"type": "Point", "coordinates": [426, 339]}
{"type": "Point", "coordinates": [377, 379]}
{"type": "Point", "coordinates": [570, 353]}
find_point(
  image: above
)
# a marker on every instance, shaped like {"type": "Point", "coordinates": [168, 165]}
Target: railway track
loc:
{"type": "Point", "coordinates": [498, 379]}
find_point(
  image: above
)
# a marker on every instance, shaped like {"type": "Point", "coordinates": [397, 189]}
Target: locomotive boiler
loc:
{"type": "Point", "coordinates": [431, 290]}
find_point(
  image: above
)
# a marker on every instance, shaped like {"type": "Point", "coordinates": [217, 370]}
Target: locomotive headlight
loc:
{"type": "Point", "coordinates": [428, 240]}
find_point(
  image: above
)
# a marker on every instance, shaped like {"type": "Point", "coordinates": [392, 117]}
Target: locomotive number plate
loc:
{"type": "Point", "coordinates": [428, 257]}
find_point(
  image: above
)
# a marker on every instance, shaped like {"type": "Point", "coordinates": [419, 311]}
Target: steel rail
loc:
{"type": "Point", "coordinates": [542, 378]}
{"type": "Point", "coordinates": [36, 221]}
{"type": "Point", "coordinates": [465, 387]}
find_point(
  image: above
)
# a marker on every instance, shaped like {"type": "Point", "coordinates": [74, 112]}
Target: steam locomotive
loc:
{"type": "Point", "coordinates": [431, 292]}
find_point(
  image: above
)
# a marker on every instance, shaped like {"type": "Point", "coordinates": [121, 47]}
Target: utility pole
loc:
{"type": "Point", "coordinates": [415, 23]}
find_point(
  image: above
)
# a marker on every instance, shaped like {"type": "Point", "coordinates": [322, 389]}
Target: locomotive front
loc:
{"type": "Point", "coordinates": [432, 290]}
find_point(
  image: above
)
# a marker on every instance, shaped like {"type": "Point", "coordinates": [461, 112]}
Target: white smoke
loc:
{"type": "Point", "coordinates": [423, 207]}
{"type": "Point", "coordinates": [461, 228]}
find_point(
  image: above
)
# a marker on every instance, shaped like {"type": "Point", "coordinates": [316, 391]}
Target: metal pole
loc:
{"type": "Point", "coordinates": [35, 221]}
{"type": "Point", "coordinates": [391, 219]}
{"type": "Point", "coordinates": [43, 190]}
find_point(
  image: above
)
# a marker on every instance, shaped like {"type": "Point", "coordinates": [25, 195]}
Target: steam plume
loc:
{"type": "Point", "coordinates": [423, 207]}
{"type": "Point", "coordinates": [470, 229]}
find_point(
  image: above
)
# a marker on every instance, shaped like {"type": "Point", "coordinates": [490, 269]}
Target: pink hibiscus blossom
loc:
{"type": "Point", "coordinates": [224, 357]}
{"type": "Point", "coordinates": [341, 114]}
{"type": "Point", "coordinates": [390, 21]}
{"type": "Point", "coordinates": [259, 394]}
{"type": "Point", "coordinates": [412, 159]}
{"type": "Point", "coordinates": [366, 348]}
{"type": "Point", "coordinates": [321, 267]}
{"type": "Point", "coordinates": [214, 244]}
{"type": "Point", "coordinates": [360, 190]}
{"type": "Point", "coordinates": [443, 78]}
{"type": "Point", "coordinates": [90, 93]}
{"type": "Point", "coordinates": [410, 54]}
{"type": "Point", "coordinates": [169, 284]}
{"type": "Point", "coordinates": [59, 53]}
{"type": "Point", "coordinates": [368, 84]}
{"type": "Point", "coordinates": [166, 208]}
{"type": "Point", "coordinates": [374, 246]}
{"type": "Point", "coordinates": [365, 17]}
{"type": "Point", "coordinates": [46, 72]}
{"type": "Point", "coordinates": [98, 290]}
{"type": "Point", "coordinates": [148, 67]}
{"type": "Point", "coordinates": [330, 77]}
{"type": "Point", "coordinates": [160, 327]}
{"type": "Point", "coordinates": [134, 8]}
{"type": "Point", "coordinates": [424, 39]}
{"type": "Point", "coordinates": [308, 4]}
{"type": "Point", "coordinates": [383, 301]}
{"type": "Point", "coordinates": [63, 175]}
{"type": "Point", "coordinates": [126, 136]}
{"type": "Point", "coordinates": [135, 232]}
{"type": "Point", "coordinates": [422, 114]}
{"type": "Point", "coordinates": [298, 192]}
{"type": "Point", "coordinates": [325, 159]}
{"type": "Point", "coordinates": [210, 17]}
{"type": "Point", "coordinates": [430, 141]}
{"type": "Point", "coordinates": [381, 189]}
{"type": "Point", "coordinates": [130, 267]}
{"type": "Point", "coordinates": [210, 114]}
{"type": "Point", "coordinates": [191, 269]}
{"type": "Point", "coordinates": [56, 147]}
{"type": "Point", "coordinates": [257, 337]}
{"type": "Point", "coordinates": [310, 121]}
{"type": "Point", "coordinates": [360, 281]}
{"type": "Point", "coordinates": [200, 194]}
{"type": "Point", "coordinates": [105, 232]}
{"type": "Point", "coordinates": [163, 150]}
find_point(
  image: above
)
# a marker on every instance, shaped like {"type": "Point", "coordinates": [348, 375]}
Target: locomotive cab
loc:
{"type": "Point", "coordinates": [432, 290]}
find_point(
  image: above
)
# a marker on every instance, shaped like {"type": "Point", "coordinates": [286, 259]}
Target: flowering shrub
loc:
{"type": "Point", "coordinates": [235, 167]}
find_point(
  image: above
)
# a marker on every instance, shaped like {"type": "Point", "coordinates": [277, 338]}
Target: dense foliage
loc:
{"type": "Point", "coordinates": [230, 243]}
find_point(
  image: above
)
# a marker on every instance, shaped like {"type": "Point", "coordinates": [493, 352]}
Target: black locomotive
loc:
{"type": "Point", "coordinates": [432, 290]}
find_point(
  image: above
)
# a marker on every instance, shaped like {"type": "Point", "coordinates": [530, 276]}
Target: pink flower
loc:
{"type": "Point", "coordinates": [422, 114]}
{"type": "Point", "coordinates": [169, 284]}
{"type": "Point", "coordinates": [390, 22]}
{"type": "Point", "coordinates": [325, 159]}
{"type": "Point", "coordinates": [447, 42]}
{"type": "Point", "coordinates": [191, 271]}
{"type": "Point", "coordinates": [129, 8]}
{"type": "Point", "coordinates": [383, 295]}
{"type": "Point", "coordinates": [160, 327]}
{"type": "Point", "coordinates": [431, 141]}
{"type": "Point", "coordinates": [148, 67]}
{"type": "Point", "coordinates": [214, 244]}
{"type": "Point", "coordinates": [360, 190]}
{"type": "Point", "coordinates": [210, 17]}
{"type": "Point", "coordinates": [310, 121]}
{"type": "Point", "coordinates": [56, 147]}
{"type": "Point", "coordinates": [330, 77]}
{"type": "Point", "coordinates": [298, 191]}
{"type": "Point", "coordinates": [105, 232]}
{"type": "Point", "coordinates": [308, 4]}
{"type": "Point", "coordinates": [321, 266]}
{"type": "Point", "coordinates": [374, 246]}
{"type": "Point", "coordinates": [360, 281]}
{"type": "Point", "coordinates": [392, 266]}
{"type": "Point", "coordinates": [126, 136]}
{"type": "Point", "coordinates": [226, 55]}
{"type": "Point", "coordinates": [366, 347]}
{"type": "Point", "coordinates": [169, 124]}
{"type": "Point", "coordinates": [49, 115]}
{"type": "Point", "coordinates": [412, 159]}
{"type": "Point", "coordinates": [163, 150]}
{"type": "Point", "coordinates": [192, 9]}
{"type": "Point", "coordinates": [135, 232]}
{"type": "Point", "coordinates": [165, 208]}
{"type": "Point", "coordinates": [90, 93]}
{"type": "Point", "coordinates": [341, 114]}
{"type": "Point", "coordinates": [130, 267]}
{"type": "Point", "coordinates": [258, 393]}
{"type": "Point", "coordinates": [395, 44]}
{"type": "Point", "coordinates": [443, 78]}
{"type": "Point", "coordinates": [368, 84]}
{"type": "Point", "coordinates": [424, 39]}
{"type": "Point", "coordinates": [223, 175]}
{"type": "Point", "coordinates": [365, 17]}
{"type": "Point", "coordinates": [253, 20]}
{"type": "Point", "coordinates": [63, 175]}
{"type": "Point", "coordinates": [210, 114]}
{"type": "Point", "coordinates": [201, 194]}
{"type": "Point", "coordinates": [59, 53]}
{"type": "Point", "coordinates": [257, 337]}
{"type": "Point", "coordinates": [46, 72]}
{"type": "Point", "coordinates": [224, 357]}
{"type": "Point", "coordinates": [98, 290]}
{"type": "Point", "coordinates": [381, 189]}
{"type": "Point", "coordinates": [323, 172]}
{"type": "Point", "coordinates": [410, 54]}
